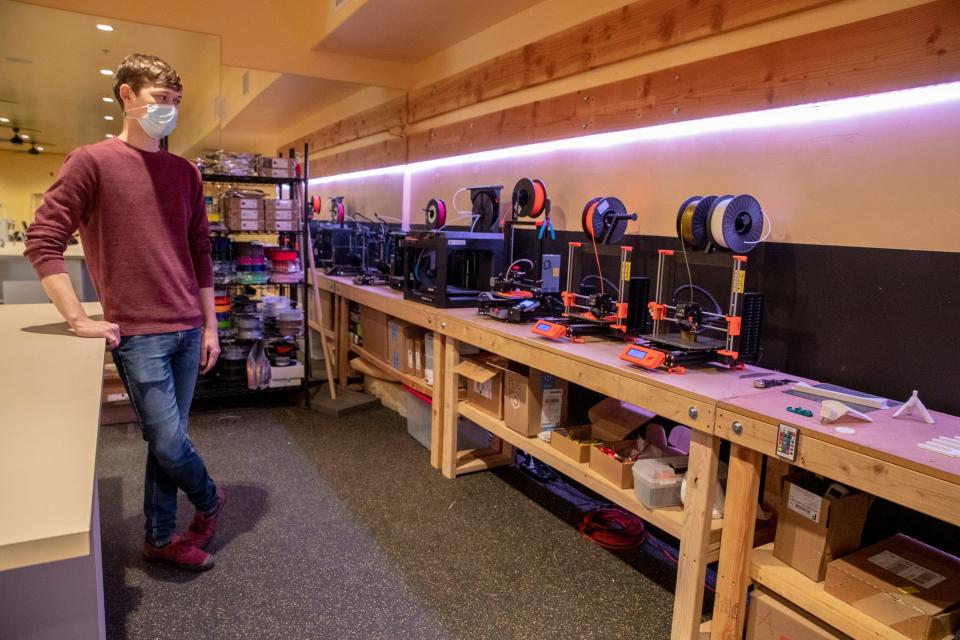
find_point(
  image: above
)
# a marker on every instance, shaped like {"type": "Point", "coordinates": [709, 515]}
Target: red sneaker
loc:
{"type": "Point", "coordinates": [179, 553]}
{"type": "Point", "coordinates": [201, 529]}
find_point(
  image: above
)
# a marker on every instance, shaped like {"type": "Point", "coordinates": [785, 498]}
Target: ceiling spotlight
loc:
{"type": "Point", "coordinates": [104, 27]}
{"type": "Point", "coordinates": [4, 120]}
{"type": "Point", "coordinates": [106, 72]}
{"type": "Point", "coordinates": [25, 136]}
{"type": "Point", "coordinates": [39, 148]}
{"type": "Point", "coordinates": [108, 117]}
{"type": "Point", "coordinates": [106, 99]}
{"type": "Point", "coordinates": [109, 135]}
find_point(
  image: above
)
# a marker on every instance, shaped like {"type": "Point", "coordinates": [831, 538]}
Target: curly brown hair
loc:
{"type": "Point", "coordinates": [138, 69]}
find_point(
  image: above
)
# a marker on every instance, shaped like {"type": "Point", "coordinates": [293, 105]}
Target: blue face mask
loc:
{"type": "Point", "coordinates": [159, 121]}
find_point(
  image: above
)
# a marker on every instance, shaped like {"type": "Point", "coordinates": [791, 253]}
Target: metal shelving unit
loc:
{"type": "Point", "coordinates": [297, 292]}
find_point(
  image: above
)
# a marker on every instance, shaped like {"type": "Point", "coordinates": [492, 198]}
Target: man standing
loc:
{"type": "Point", "coordinates": [143, 224]}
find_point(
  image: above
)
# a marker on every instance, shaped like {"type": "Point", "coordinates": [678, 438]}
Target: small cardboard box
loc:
{"type": "Point", "coordinates": [533, 401]}
{"type": "Point", "coordinates": [243, 203]}
{"type": "Point", "coordinates": [281, 225]}
{"type": "Point", "coordinates": [905, 584]}
{"type": "Point", "coordinates": [813, 529]}
{"type": "Point", "coordinates": [616, 471]}
{"type": "Point", "coordinates": [373, 328]}
{"type": "Point", "coordinates": [276, 163]}
{"type": "Point", "coordinates": [772, 618]}
{"type": "Point", "coordinates": [484, 376]}
{"type": "Point", "coordinates": [244, 214]}
{"type": "Point", "coordinates": [413, 346]}
{"type": "Point", "coordinates": [428, 358]}
{"type": "Point", "coordinates": [274, 205]}
{"type": "Point", "coordinates": [267, 172]}
{"type": "Point", "coordinates": [575, 442]}
{"type": "Point", "coordinates": [278, 214]}
{"type": "Point", "coordinates": [236, 224]}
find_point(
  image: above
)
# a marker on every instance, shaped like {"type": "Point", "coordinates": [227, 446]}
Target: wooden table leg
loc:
{"type": "Point", "coordinates": [343, 340]}
{"type": "Point", "coordinates": [695, 536]}
{"type": "Point", "coordinates": [736, 543]}
{"type": "Point", "coordinates": [436, 411]}
{"type": "Point", "coordinates": [451, 413]}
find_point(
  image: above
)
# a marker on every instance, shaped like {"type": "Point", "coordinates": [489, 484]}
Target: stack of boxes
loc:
{"type": "Point", "coordinates": [280, 216]}
{"type": "Point", "coordinates": [277, 167]}
{"type": "Point", "coordinates": [242, 214]}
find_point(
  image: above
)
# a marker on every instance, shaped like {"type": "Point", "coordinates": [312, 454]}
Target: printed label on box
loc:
{"type": "Point", "coordinates": [552, 407]}
{"type": "Point", "coordinates": [483, 389]}
{"type": "Point", "coordinates": [410, 359]}
{"type": "Point", "coordinates": [417, 361]}
{"type": "Point", "coordinates": [804, 502]}
{"type": "Point", "coordinates": [905, 569]}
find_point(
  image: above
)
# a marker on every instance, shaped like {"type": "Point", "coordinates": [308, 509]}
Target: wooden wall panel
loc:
{"type": "Point", "coordinates": [382, 154]}
{"type": "Point", "coordinates": [909, 48]}
{"type": "Point", "coordinates": [635, 29]}
{"type": "Point", "coordinates": [389, 116]}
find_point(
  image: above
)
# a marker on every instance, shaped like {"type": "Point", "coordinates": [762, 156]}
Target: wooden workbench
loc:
{"type": "Point", "coordinates": [718, 405]}
{"type": "Point", "coordinates": [50, 385]}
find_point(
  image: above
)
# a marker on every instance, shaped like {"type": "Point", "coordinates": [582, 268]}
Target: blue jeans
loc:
{"type": "Point", "coordinates": [159, 372]}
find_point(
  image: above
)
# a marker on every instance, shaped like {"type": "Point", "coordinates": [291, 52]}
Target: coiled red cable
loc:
{"type": "Point", "coordinates": [613, 528]}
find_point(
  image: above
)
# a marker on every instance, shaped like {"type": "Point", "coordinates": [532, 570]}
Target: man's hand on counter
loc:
{"type": "Point", "coordinates": [89, 328]}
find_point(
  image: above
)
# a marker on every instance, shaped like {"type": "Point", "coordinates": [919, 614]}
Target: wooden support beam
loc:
{"type": "Point", "coordinates": [389, 116]}
{"type": "Point", "coordinates": [695, 539]}
{"type": "Point", "coordinates": [436, 409]}
{"type": "Point", "coordinates": [635, 29]}
{"type": "Point", "coordinates": [343, 341]}
{"type": "Point", "coordinates": [736, 544]}
{"type": "Point", "coordinates": [451, 413]}
{"type": "Point", "coordinates": [380, 154]}
{"type": "Point", "coordinates": [909, 48]}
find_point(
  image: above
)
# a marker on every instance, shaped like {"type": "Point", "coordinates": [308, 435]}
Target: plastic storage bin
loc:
{"type": "Point", "coordinates": [469, 435]}
{"type": "Point", "coordinates": [656, 481]}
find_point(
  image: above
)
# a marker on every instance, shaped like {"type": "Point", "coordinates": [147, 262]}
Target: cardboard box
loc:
{"type": "Point", "coordinates": [276, 173]}
{"type": "Point", "coordinates": [273, 204]}
{"type": "Point", "coordinates": [618, 472]}
{"type": "Point", "coordinates": [484, 374]}
{"type": "Point", "coordinates": [400, 336]}
{"type": "Point", "coordinates": [575, 442]}
{"type": "Point", "coordinates": [812, 529]}
{"type": "Point", "coordinates": [281, 225]}
{"type": "Point", "coordinates": [243, 203]}
{"type": "Point", "coordinates": [278, 214]}
{"type": "Point", "coordinates": [373, 329]}
{"type": "Point", "coordinates": [277, 163]}
{"type": "Point", "coordinates": [236, 224]}
{"type": "Point", "coordinates": [428, 358]}
{"type": "Point", "coordinates": [533, 401]}
{"type": "Point", "coordinates": [245, 214]}
{"type": "Point", "coordinates": [772, 618]}
{"type": "Point", "coordinates": [413, 346]}
{"type": "Point", "coordinates": [909, 586]}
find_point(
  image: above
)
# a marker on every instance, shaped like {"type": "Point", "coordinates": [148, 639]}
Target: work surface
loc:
{"type": "Point", "coordinates": [50, 384]}
{"type": "Point", "coordinates": [15, 250]}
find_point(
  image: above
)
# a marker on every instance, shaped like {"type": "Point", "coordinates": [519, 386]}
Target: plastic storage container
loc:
{"type": "Point", "coordinates": [656, 481]}
{"type": "Point", "coordinates": [469, 435]}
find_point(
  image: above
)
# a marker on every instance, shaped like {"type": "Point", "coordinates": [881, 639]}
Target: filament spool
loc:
{"type": "Point", "coordinates": [735, 223]}
{"type": "Point", "coordinates": [340, 211]}
{"type": "Point", "coordinates": [529, 198]}
{"type": "Point", "coordinates": [605, 219]}
{"type": "Point", "coordinates": [692, 221]}
{"type": "Point", "coordinates": [436, 213]}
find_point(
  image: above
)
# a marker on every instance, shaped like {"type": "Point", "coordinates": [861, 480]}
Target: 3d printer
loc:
{"type": "Point", "coordinates": [605, 308]}
{"type": "Point", "coordinates": [529, 288]}
{"type": "Point", "coordinates": [377, 250]}
{"type": "Point", "coordinates": [445, 268]}
{"type": "Point", "coordinates": [684, 331]}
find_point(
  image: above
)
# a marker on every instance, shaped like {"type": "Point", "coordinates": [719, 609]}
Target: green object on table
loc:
{"type": "Point", "coordinates": [800, 411]}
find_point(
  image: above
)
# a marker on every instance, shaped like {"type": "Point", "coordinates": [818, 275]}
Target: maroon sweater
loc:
{"type": "Point", "coordinates": [144, 230]}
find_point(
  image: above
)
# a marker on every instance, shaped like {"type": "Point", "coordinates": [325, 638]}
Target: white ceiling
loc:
{"type": "Point", "coordinates": [58, 89]}
{"type": "Point", "coordinates": [411, 30]}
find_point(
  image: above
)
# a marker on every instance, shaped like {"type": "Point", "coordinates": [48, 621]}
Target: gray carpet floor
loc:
{"type": "Point", "coordinates": [341, 529]}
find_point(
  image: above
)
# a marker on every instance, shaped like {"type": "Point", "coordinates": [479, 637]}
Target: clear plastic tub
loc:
{"type": "Point", "coordinates": [656, 481]}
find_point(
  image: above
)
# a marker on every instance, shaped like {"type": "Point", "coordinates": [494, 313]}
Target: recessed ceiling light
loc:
{"type": "Point", "coordinates": [104, 27]}
{"type": "Point", "coordinates": [25, 136]}
{"type": "Point", "coordinates": [109, 135]}
{"type": "Point", "coordinates": [4, 120]}
{"type": "Point", "coordinates": [106, 99]}
{"type": "Point", "coordinates": [39, 148]}
{"type": "Point", "coordinates": [108, 117]}
{"type": "Point", "coordinates": [106, 72]}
